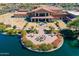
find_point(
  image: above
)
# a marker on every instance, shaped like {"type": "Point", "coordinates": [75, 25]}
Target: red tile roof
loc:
{"type": "Point", "coordinates": [20, 14]}
{"type": "Point", "coordinates": [56, 42]}
{"type": "Point", "coordinates": [52, 9]}
{"type": "Point", "coordinates": [47, 8]}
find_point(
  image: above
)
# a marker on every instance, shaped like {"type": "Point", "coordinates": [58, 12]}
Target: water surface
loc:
{"type": "Point", "coordinates": [10, 45]}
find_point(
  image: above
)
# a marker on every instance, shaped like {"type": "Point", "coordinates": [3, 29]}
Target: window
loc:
{"type": "Point", "coordinates": [36, 20]}
{"type": "Point", "coordinates": [33, 20]}
{"type": "Point", "coordinates": [36, 14]}
{"type": "Point", "coordinates": [47, 20]}
{"type": "Point", "coordinates": [41, 14]}
{"type": "Point", "coordinates": [46, 14]}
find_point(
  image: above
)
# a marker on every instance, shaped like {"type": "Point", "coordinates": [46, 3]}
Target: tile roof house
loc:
{"type": "Point", "coordinates": [47, 13]}
{"type": "Point", "coordinates": [20, 13]}
{"type": "Point", "coordinates": [43, 13]}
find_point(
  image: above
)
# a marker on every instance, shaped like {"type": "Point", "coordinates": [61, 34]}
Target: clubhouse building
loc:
{"type": "Point", "coordinates": [44, 13]}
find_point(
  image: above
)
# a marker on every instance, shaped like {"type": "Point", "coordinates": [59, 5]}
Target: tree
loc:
{"type": "Point", "coordinates": [23, 33]}
{"type": "Point", "coordinates": [28, 18]}
{"type": "Point", "coordinates": [2, 27]}
{"type": "Point", "coordinates": [48, 31]}
{"type": "Point", "coordinates": [14, 27]}
{"type": "Point", "coordinates": [12, 32]}
{"type": "Point", "coordinates": [74, 23]}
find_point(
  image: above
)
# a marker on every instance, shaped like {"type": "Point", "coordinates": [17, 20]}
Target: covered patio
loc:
{"type": "Point", "coordinates": [42, 19]}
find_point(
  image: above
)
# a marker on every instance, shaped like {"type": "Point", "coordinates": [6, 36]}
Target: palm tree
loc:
{"type": "Point", "coordinates": [24, 26]}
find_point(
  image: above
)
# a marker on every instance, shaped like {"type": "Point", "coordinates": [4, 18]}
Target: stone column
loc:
{"type": "Point", "coordinates": [38, 14]}
{"type": "Point", "coordinates": [38, 19]}
{"type": "Point", "coordinates": [35, 14]}
{"type": "Point", "coordinates": [45, 20]}
{"type": "Point", "coordinates": [50, 19]}
{"type": "Point", "coordinates": [45, 14]}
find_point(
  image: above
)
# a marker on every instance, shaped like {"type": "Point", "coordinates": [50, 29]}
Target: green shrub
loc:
{"type": "Point", "coordinates": [32, 31]}
{"type": "Point", "coordinates": [14, 27]}
{"type": "Point", "coordinates": [34, 47]}
{"type": "Point", "coordinates": [50, 46]}
{"type": "Point", "coordinates": [28, 43]}
{"type": "Point", "coordinates": [74, 23]}
{"type": "Point", "coordinates": [48, 31]}
{"type": "Point", "coordinates": [2, 27]}
{"type": "Point", "coordinates": [12, 32]}
{"type": "Point", "coordinates": [35, 31]}
{"type": "Point", "coordinates": [23, 33]}
{"type": "Point", "coordinates": [43, 47]}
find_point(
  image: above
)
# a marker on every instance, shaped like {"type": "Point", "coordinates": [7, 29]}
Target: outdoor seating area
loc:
{"type": "Point", "coordinates": [39, 39]}
{"type": "Point", "coordinates": [42, 37]}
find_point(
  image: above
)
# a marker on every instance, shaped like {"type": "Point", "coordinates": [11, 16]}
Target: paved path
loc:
{"type": "Point", "coordinates": [41, 30]}
{"type": "Point", "coordinates": [48, 39]}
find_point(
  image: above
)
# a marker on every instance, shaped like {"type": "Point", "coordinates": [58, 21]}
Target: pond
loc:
{"type": "Point", "coordinates": [10, 45]}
